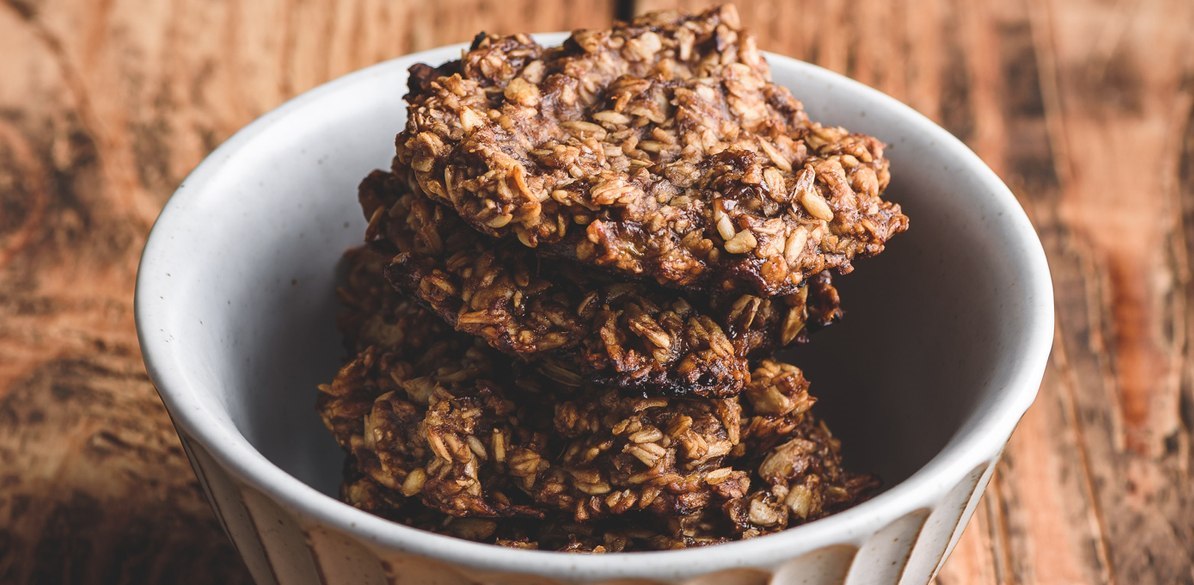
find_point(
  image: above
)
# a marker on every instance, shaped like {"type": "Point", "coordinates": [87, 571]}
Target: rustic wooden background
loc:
{"type": "Point", "coordinates": [1086, 108]}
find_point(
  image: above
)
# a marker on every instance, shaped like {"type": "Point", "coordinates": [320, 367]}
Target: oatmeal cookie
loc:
{"type": "Point", "coordinates": [671, 469]}
{"type": "Point", "coordinates": [578, 323]}
{"type": "Point", "coordinates": [658, 149]}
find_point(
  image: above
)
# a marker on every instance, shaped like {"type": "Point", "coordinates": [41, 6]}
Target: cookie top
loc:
{"type": "Point", "coordinates": [657, 149]}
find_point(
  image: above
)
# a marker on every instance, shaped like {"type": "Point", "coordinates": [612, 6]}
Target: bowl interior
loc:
{"type": "Point", "coordinates": [244, 266]}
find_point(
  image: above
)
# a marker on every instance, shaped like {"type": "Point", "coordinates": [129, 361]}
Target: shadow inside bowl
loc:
{"type": "Point", "coordinates": [893, 379]}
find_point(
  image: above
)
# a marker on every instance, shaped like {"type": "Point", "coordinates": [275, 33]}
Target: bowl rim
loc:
{"type": "Point", "coordinates": [962, 454]}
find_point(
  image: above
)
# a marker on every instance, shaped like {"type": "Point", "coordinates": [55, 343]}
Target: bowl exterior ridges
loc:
{"type": "Point", "coordinates": [282, 547]}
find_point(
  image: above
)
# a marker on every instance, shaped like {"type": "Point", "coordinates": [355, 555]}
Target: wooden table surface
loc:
{"type": "Point", "coordinates": [1086, 108]}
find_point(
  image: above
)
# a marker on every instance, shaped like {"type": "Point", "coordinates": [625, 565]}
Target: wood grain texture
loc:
{"type": "Point", "coordinates": [106, 105]}
{"type": "Point", "coordinates": [1085, 107]}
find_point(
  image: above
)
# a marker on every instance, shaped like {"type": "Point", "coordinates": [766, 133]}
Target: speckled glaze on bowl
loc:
{"type": "Point", "coordinates": [941, 352]}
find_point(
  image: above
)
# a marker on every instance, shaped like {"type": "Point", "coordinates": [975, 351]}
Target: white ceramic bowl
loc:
{"type": "Point", "coordinates": [941, 352]}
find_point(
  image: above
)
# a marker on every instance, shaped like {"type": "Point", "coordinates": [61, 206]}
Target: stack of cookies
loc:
{"type": "Point", "coordinates": [577, 273]}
